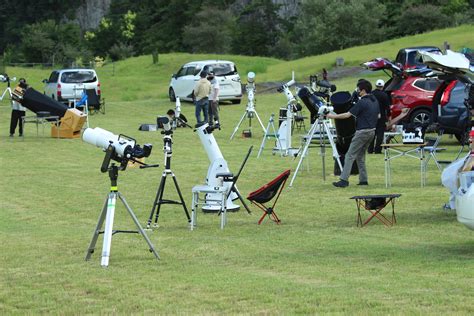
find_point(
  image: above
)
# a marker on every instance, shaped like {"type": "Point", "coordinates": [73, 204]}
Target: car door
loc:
{"type": "Point", "coordinates": [51, 84]}
{"type": "Point", "coordinates": [184, 81]}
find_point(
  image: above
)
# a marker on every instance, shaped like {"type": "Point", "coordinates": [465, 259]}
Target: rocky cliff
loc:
{"type": "Point", "coordinates": [90, 12]}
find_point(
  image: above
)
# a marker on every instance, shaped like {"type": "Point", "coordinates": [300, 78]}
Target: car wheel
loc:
{"type": "Point", "coordinates": [172, 95]}
{"type": "Point", "coordinates": [421, 117]}
{"type": "Point", "coordinates": [236, 101]}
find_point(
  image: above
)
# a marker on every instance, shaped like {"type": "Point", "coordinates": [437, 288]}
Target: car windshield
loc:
{"type": "Point", "coordinates": [222, 69]}
{"type": "Point", "coordinates": [78, 77]}
{"type": "Point", "coordinates": [415, 59]}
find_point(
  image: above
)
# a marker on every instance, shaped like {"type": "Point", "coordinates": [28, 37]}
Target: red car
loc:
{"type": "Point", "coordinates": [415, 89]}
{"type": "Point", "coordinates": [408, 89]}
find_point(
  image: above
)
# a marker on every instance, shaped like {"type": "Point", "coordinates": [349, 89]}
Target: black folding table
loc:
{"type": "Point", "coordinates": [374, 204]}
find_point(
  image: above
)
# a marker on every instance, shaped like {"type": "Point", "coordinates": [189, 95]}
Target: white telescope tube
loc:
{"type": "Point", "coordinates": [102, 138]}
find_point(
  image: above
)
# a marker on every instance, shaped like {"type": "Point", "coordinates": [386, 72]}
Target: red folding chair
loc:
{"type": "Point", "coordinates": [267, 193]}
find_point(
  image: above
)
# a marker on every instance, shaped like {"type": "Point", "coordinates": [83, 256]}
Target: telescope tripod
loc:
{"type": "Point", "coordinates": [249, 112]}
{"type": "Point", "coordinates": [107, 214]}
{"type": "Point", "coordinates": [161, 189]}
{"type": "Point", "coordinates": [267, 134]}
{"type": "Point", "coordinates": [7, 89]}
{"type": "Point", "coordinates": [324, 132]}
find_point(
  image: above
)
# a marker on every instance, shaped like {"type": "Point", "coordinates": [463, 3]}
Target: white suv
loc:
{"type": "Point", "coordinates": [67, 84]}
{"type": "Point", "coordinates": [183, 82]}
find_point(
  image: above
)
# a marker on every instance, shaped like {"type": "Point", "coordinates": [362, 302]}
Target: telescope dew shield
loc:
{"type": "Point", "coordinates": [251, 77]}
{"type": "Point", "coordinates": [341, 101]}
{"type": "Point", "coordinates": [38, 102]}
{"type": "Point", "coordinates": [345, 129]}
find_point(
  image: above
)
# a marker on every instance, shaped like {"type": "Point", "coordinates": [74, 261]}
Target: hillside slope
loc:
{"type": "Point", "coordinates": [139, 79]}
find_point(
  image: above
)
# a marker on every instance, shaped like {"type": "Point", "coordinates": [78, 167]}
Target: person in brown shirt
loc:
{"type": "Point", "coordinates": [201, 98]}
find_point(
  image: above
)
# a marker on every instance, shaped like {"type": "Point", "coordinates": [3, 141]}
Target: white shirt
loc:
{"type": "Point", "coordinates": [214, 95]}
{"type": "Point", "coordinates": [17, 106]}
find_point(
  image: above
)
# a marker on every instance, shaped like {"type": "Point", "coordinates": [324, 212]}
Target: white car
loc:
{"type": "Point", "coordinates": [183, 82]}
{"type": "Point", "coordinates": [68, 84]}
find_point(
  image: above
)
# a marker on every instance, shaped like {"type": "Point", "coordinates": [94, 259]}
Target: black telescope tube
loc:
{"type": "Point", "coordinates": [38, 102]}
{"type": "Point", "coordinates": [312, 102]}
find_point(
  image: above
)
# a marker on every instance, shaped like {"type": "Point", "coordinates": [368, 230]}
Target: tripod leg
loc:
{"type": "Point", "coordinates": [159, 195]}
{"type": "Point", "coordinates": [309, 137]}
{"type": "Point", "coordinates": [181, 197]}
{"type": "Point", "coordinates": [95, 235]}
{"type": "Point", "coordinates": [139, 227]}
{"type": "Point", "coordinates": [241, 199]}
{"type": "Point", "coordinates": [238, 125]}
{"type": "Point", "coordinates": [265, 135]}
{"type": "Point", "coordinates": [333, 145]}
{"type": "Point", "coordinates": [160, 199]}
{"type": "Point", "coordinates": [322, 148]}
{"type": "Point", "coordinates": [259, 120]}
{"type": "Point", "coordinates": [109, 223]}
{"type": "Point", "coordinates": [277, 138]}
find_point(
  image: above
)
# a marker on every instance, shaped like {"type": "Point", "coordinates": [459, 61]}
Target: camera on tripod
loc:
{"type": "Point", "coordinates": [121, 148]}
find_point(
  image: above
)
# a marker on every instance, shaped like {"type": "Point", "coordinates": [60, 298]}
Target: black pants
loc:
{"type": "Point", "coordinates": [378, 139]}
{"type": "Point", "coordinates": [16, 119]}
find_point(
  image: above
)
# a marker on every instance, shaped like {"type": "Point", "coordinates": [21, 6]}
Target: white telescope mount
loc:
{"type": "Point", "coordinates": [218, 165]}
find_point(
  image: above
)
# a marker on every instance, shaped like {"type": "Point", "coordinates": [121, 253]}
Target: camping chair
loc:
{"type": "Point", "coordinates": [432, 149]}
{"type": "Point", "coordinates": [299, 120]}
{"type": "Point", "coordinates": [94, 102]}
{"type": "Point", "coordinates": [268, 192]}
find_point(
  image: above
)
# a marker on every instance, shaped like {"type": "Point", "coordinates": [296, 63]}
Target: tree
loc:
{"type": "Point", "coordinates": [210, 32]}
{"type": "Point", "coordinates": [327, 26]}
{"type": "Point", "coordinates": [257, 30]}
{"type": "Point", "coordinates": [113, 37]}
{"type": "Point", "coordinates": [413, 19]}
{"type": "Point", "coordinates": [48, 42]}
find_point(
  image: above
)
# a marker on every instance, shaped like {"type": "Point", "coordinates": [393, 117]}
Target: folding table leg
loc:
{"type": "Point", "coordinates": [359, 217]}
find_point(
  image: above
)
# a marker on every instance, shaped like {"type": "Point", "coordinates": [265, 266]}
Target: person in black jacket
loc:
{"type": "Point", "coordinates": [366, 113]}
{"type": "Point", "coordinates": [384, 106]}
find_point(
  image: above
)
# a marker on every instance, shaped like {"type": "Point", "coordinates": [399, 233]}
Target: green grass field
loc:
{"type": "Point", "coordinates": [316, 261]}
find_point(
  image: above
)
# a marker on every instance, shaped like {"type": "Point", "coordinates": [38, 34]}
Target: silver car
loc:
{"type": "Point", "coordinates": [66, 85]}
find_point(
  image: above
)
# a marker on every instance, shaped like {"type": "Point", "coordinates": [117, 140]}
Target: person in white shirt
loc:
{"type": "Point", "coordinates": [214, 100]}
{"type": "Point", "coordinates": [18, 111]}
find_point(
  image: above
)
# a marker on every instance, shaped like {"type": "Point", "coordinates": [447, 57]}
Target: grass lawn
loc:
{"type": "Point", "coordinates": [316, 261]}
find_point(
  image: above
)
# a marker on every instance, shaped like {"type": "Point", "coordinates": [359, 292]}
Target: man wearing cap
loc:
{"type": "Point", "coordinates": [201, 101]}
{"type": "Point", "coordinates": [366, 113]}
{"type": "Point", "coordinates": [384, 106]}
